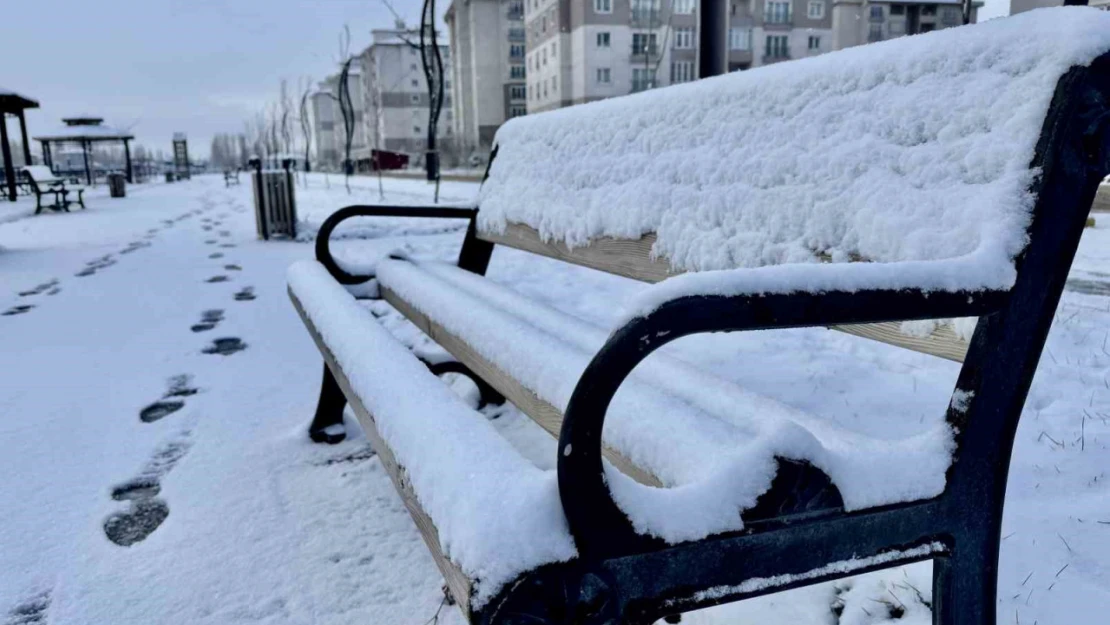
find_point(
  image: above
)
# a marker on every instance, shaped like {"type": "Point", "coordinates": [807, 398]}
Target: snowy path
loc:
{"type": "Point", "coordinates": [263, 526]}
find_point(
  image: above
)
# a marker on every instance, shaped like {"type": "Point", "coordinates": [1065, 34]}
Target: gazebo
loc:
{"type": "Point", "coordinates": [85, 130]}
{"type": "Point", "coordinates": [11, 103]}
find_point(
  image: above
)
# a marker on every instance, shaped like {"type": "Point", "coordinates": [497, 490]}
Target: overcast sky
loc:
{"type": "Point", "coordinates": [195, 66]}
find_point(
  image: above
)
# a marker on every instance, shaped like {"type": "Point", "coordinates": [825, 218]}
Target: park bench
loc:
{"type": "Point", "coordinates": [934, 177]}
{"type": "Point", "coordinates": [231, 177]}
{"type": "Point", "coordinates": [42, 181]}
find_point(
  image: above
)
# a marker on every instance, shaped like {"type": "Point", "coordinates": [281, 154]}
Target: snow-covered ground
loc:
{"type": "Point", "coordinates": [233, 516]}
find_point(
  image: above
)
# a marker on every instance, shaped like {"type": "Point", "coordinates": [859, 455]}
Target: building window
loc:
{"type": "Point", "coordinates": [682, 71]}
{"type": "Point", "coordinates": [814, 43]}
{"type": "Point", "coordinates": [897, 9]}
{"type": "Point", "coordinates": [414, 98]}
{"type": "Point", "coordinates": [543, 24]}
{"type": "Point", "coordinates": [683, 7]}
{"type": "Point", "coordinates": [516, 71]}
{"type": "Point", "coordinates": [778, 47]}
{"type": "Point", "coordinates": [415, 83]}
{"type": "Point", "coordinates": [516, 51]}
{"type": "Point", "coordinates": [603, 40]}
{"type": "Point", "coordinates": [739, 38]}
{"type": "Point", "coordinates": [776, 12]}
{"type": "Point", "coordinates": [516, 92]}
{"type": "Point", "coordinates": [683, 38]}
{"type": "Point", "coordinates": [927, 28]}
{"type": "Point", "coordinates": [877, 12]}
{"type": "Point", "coordinates": [928, 9]}
{"type": "Point", "coordinates": [543, 56]}
{"type": "Point", "coordinates": [816, 9]}
{"type": "Point", "coordinates": [516, 10]}
{"type": "Point", "coordinates": [545, 88]}
{"type": "Point", "coordinates": [517, 111]}
{"type": "Point", "coordinates": [603, 75]}
{"type": "Point", "coordinates": [554, 83]}
{"type": "Point", "coordinates": [643, 43]}
{"type": "Point", "coordinates": [897, 28]}
{"type": "Point", "coordinates": [950, 16]}
{"type": "Point", "coordinates": [416, 130]}
{"type": "Point", "coordinates": [603, 6]}
{"type": "Point", "coordinates": [642, 79]}
{"type": "Point", "coordinates": [553, 51]}
{"type": "Point", "coordinates": [876, 33]}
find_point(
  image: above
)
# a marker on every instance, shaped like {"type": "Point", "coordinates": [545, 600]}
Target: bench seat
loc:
{"type": "Point", "coordinates": [712, 443]}
{"type": "Point", "coordinates": [430, 437]}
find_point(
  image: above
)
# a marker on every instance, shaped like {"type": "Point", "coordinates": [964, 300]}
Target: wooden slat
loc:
{"type": "Point", "coordinates": [544, 414]}
{"type": "Point", "coordinates": [628, 258]}
{"type": "Point", "coordinates": [632, 259]}
{"type": "Point", "coordinates": [457, 581]}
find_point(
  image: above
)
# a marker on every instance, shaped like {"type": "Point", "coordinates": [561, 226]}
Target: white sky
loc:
{"type": "Point", "coordinates": [196, 66]}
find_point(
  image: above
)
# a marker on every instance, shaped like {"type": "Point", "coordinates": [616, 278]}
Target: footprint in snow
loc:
{"type": "Point", "coordinates": [245, 295]}
{"type": "Point", "coordinates": [214, 279]}
{"type": "Point", "coordinates": [210, 242]}
{"type": "Point", "coordinates": [159, 410]}
{"type": "Point", "coordinates": [208, 320]}
{"type": "Point", "coordinates": [45, 287]}
{"type": "Point", "coordinates": [227, 245]}
{"type": "Point", "coordinates": [136, 523]}
{"type": "Point", "coordinates": [216, 255]}
{"type": "Point", "coordinates": [17, 310]}
{"type": "Point", "coordinates": [30, 611]}
{"type": "Point", "coordinates": [233, 267]}
{"type": "Point", "coordinates": [225, 346]}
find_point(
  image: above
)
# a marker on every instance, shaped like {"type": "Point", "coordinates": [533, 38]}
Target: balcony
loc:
{"type": "Point", "coordinates": [639, 52]}
{"type": "Point", "coordinates": [776, 56]}
{"type": "Point", "coordinates": [516, 34]}
{"type": "Point", "coordinates": [646, 18]}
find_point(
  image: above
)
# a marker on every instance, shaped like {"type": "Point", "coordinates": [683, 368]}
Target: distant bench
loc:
{"type": "Point", "coordinates": [857, 190]}
{"type": "Point", "coordinates": [42, 182]}
{"type": "Point", "coordinates": [231, 177]}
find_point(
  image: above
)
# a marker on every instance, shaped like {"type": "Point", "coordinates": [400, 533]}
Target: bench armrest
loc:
{"type": "Point", "coordinates": [846, 295]}
{"type": "Point", "coordinates": [323, 236]}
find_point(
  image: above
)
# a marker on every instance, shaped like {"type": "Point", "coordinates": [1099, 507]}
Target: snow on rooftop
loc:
{"type": "Point", "coordinates": [914, 149]}
{"type": "Point", "coordinates": [85, 132]}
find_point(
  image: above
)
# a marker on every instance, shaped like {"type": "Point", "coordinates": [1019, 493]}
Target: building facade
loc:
{"type": "Point", "coordinates": [1020, 6]}
{"type": "Point", "coordinates": [328, 125]}
{"type": "Point", "coordinates": [489, 74]}
{"type": "Point", "coordinates": [584, 50]}
{"type": "Point", "coordinates": [857, 22]}
{"type": "Point", "coordinates": [395, 98]}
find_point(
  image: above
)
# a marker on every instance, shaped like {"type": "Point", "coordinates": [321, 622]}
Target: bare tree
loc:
{"type": "Point", "coordinates": [346, 107]}
{"type": "Point", "coordinates": [306, 127]}
{"type": "Point", "coordinates": [285, 105]}
{"type": "Point", "coordinates": [433, 73]}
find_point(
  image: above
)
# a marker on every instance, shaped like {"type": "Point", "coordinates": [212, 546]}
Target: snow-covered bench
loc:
{"type": "Point", "coordinates": [42, 181]}
{"type": "Point", "coordinates": [933, 177]}
{"type": "Point", "coordinates": [231, 176]}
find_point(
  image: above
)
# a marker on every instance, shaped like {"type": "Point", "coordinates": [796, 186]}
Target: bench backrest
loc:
{"type": "Point", "coordinates": [40, 174]}
{"type": "Point", "coordinates": [916, 149]}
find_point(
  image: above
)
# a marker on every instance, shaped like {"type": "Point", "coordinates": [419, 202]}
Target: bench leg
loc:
{"type": "Point", "coordinates": [81, 198]}
{"type": "Point", "coordinates": [327, 426]}
{"type": "Point", "coordinates": [964, 589]}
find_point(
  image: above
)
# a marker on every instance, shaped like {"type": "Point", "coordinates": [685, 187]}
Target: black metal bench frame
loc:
{"type": "Point", "coordinates": [58, 188]}
{"type": "Point", "coordinates": [799, 528]}
{"type": "Point", "coordinates": [231, 177]}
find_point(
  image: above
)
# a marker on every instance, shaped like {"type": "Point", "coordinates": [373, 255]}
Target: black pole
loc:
{"type": "Point", "coordinates": [1075, 3]}
{"type": "Point", "coordinates": [712, 38]}
{"type": "Point", "coordinates": [127, 159]}
{"type": "Point", "coordinates": [47, 159]}
{"type": "Point", "coordinates": [26, 143]}
{"type": "Point", "coordinates": [9, 169]}
{"type": "Point", "coordinates": [85, 154]}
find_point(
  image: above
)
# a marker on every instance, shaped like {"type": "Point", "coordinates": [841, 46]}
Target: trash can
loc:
{"type": "Point", "coordinates": [169, 176]}
{"type": "Point", "coordinates": [117, 185]}
{"type": "Point", "coordinates": [275, 206]}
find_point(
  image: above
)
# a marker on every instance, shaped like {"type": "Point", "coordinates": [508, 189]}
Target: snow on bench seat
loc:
{"type": "Point", "coordinates": [496, 514]}
{"type": "Point", "coordinates": [710, 441]}
{"type": "Point", "coordinates": [913, 154]}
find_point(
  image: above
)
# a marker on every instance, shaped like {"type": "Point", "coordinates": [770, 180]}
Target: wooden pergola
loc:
{"type": "Point", "coordinates": [84, 131]}
{"type": "Point", "coordinates": [11, 103]}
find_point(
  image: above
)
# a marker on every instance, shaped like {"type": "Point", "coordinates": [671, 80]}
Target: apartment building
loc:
{"type": "Point", "coordinates": [584, 50]}
{"type": "Point", "coordinates": [488, 40]}
{"type": "Point", "coordinates": [1020, 6]}
{"type": "Point", "coordinates": [395, 97]}
{"type": "Point", "coordinates": [858, 22]}
{"type": "Point", "coordinates": [328, 126]}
